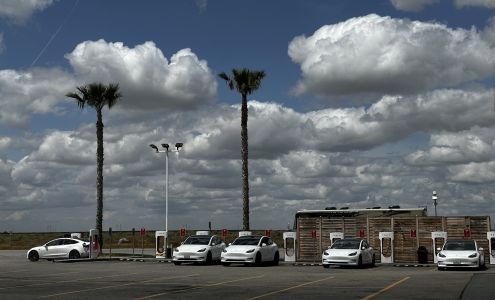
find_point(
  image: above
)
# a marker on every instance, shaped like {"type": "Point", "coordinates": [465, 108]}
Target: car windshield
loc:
{"type": "Point", "coordinates": [346, 244]}
{"type": "Point", "coordinates": [459, 245]}
{"type": "Point", "coordinates": [247, 240]}
{"type": "Point", "coordinates": [197, 240]}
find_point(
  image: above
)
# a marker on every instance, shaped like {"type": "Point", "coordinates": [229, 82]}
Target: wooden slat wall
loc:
{"type": "Point", "coordinates": [330, 225]}
{"type": "Point", "coordinates": [405, 247]}
{"type": "Point", "coordinates": [306, 245]}
{"type": "Point", "coordinates": [426, 226]}
{"type": "Point", "coordinates": [479, 227]}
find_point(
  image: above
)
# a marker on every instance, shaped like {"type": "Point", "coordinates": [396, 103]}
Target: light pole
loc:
{"type": "Point", "coordinates": [166, 150]}
{"type": "Point", "coordinates": [435, 198]}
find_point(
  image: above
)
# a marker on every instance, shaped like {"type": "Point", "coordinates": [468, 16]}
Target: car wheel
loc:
{"type": "Point", "coordinates": [208, 258]}
{"type": "Point", "coordinates": [33, 256]}
{"type": "Point", "coordinates": [257, 260]}
{"type": "Point", "coordinates": [440, 269]}
{"type": "Point", "coordinates": [276, 259]}
{"type": "Point", "coordinates": [225, 264]}
{"type": "Point", "coordinates": [177, 263]}
{"type": "Point", "coordinates": [360, 261]}
{"type": "Point", "coordinates": [326, 266]}
{"type": "Point", "coordinates": [74, 254]}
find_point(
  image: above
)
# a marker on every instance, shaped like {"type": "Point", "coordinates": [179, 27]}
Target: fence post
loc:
{"type": "Point", "coordinates": [110, 233]}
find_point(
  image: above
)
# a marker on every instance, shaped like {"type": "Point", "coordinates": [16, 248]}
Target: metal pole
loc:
{"type": "Point", "coordinates": [166, 204]}
{"type": "Point", "coordinates": [434, 197]}
{"type": "Point", "coordinates": [110, 233]}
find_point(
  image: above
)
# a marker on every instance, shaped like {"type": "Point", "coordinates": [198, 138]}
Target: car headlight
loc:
{"type": "Point", "coordinates": [250, 251]}
{"type": "Point", "coordinates": [440, 254]}
{"type": "Point", "coordinates": [325, 252]}
{"type": "Point", "coordinates": [353, 253]}
{"type": "Point", "coordinates": [473, 255]}
{"type": "Point", "coordinates": [202, 250]}
{"type": "Point", "coordinates": [224, 250]}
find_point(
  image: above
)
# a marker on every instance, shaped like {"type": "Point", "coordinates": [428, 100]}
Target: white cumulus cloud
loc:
{"type": "Point", "coordinates": [35, 91]}
{"type": "Point", "coordinates": [374, 54]}
{"type": "Point", "coordinates": [148, 80]}
{"type": "Point", "coordinates": [21, 10]}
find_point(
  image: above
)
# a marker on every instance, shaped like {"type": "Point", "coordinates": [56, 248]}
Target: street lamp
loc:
{"type": "Point", "coordinates": [435, 198]}
{"type": "Point", "coordinates": [166, 150]}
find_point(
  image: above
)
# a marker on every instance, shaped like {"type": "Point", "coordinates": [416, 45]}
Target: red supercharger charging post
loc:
{"type": "Point", "coordinates": [94, 245]}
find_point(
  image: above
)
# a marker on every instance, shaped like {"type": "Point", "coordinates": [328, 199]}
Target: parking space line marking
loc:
{"type": "Point", "coordinates": [198, 287]}
{"type": "Point", "coordinates": [388, 287]}
{"type": "Point", "coordinates": [290, 288]}
{"type": "Point", "coordinates": [115, 285]}
{"type": "Point", "coordinates": [64, 281]}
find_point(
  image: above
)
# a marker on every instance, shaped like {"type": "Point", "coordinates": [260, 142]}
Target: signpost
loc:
{"type": "Point", "coordinates": [268, 232]}
{"type": "Point", "coordinates": [313, 236]}
{"type": "Point", "coordinates": [143, 233]}
{"type": "Point", "coordinates": [467, 233]}
{"type": "Point", "coordinates": [110, 233]}
{"type": "Point", "coordinates": [182, 232]}
{"type": "Point", "coordinates": [361, 233]}
{"type": "Point", "coordinates": [133, 241]}
{"type": "Point", "coordinates": [413, 233]}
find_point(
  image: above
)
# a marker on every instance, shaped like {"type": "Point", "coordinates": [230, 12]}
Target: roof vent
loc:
{"type": "Point", "coordinates": [344, 207]}
{"type": "Point", "coordinates": [394, 206]}
{"type": "Point", "coordinates": [330, 208]}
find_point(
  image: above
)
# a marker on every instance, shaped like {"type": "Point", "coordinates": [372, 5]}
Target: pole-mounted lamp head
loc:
{"type": "Point", "coordinates": [179, 145]}
{"type": "Point", "coordinates": [154, 147]}
{"type": "Point", "coordinates": [165, 146]}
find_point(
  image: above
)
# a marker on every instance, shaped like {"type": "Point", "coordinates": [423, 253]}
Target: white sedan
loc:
{"type": "Point", "coordinates": [460, 253]}
{"type": "Point", "coordinates": [60, 248]}
{"type": "Point", "coordinates": [345, 252]}
{"type": "Point", "coordinates": [199, 248]}
{"type": "Point", "coordinates": [251, 250]}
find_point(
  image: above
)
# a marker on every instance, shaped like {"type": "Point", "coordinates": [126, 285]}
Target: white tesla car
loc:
{"type": "Point", "coordinates": [251, 250]}
{"type": "Point", "coordinates": [60, 248]}
{"type": "Point", "coordinates": [199, 248]}
{"type": "Point", "coordinates": [348, 252]}
{"type": "Point", "coordinates": [460, 253]}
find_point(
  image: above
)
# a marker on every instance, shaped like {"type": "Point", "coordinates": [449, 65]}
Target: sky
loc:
{"type": "Point", "coordinates": [365, 103]}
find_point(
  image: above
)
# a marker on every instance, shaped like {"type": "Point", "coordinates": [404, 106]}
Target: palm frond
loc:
{"type": "Point", "coordinates": [96, 95]}
{"type": "Point", "coordinates": [229, 81]}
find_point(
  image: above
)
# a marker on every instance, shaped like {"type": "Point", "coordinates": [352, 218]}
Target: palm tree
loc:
{"type": "Point", "coordinates": [245, 82]}
{"type": "Point", "coordinates": [98, 95]}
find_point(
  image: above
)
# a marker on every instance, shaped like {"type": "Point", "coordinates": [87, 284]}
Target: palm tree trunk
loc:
{"type": "Point", "coordinates": [99, 176]}
{"type": "Point", "coordinates": [244, 155]}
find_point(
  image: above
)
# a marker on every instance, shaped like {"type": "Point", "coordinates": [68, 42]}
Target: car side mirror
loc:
{"type": "Point", "coordinates": [182, 243]}
{"type": "Point", "coordinates": [481, 249]}
{"type": "Point", "coordinates": [363, 248]}
{"type": "Point", "coordinates": [230, 244]}
{"type": "Point", "coordinates": [439, 249]}
{"type": "Point", "coordinates": [263, 245]}
{"type": "Point", "coordinates": [213, 244]}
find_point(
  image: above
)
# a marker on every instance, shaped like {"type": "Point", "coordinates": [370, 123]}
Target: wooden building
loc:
{"type": "Point", "coordinates": [411, 229]}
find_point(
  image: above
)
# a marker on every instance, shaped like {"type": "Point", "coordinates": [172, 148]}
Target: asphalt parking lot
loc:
{"type": "Point", "coordinates": [21, 279]}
